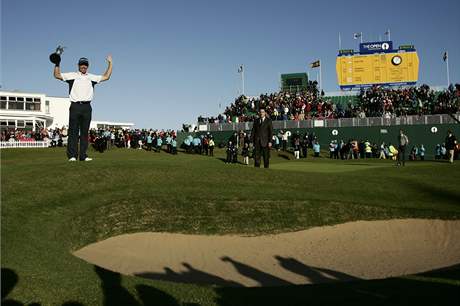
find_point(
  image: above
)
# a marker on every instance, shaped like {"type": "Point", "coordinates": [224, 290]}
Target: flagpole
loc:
{"type": "Point", "coordinates": [242, 77]}
{"type": "Point", "coordinates": [340, 42]}
{"type": "Point", "coordinates": [320, 77]}
{"type": "Point", "coordinates": [447, 66]}
{"type": "Point", "coordinates": [361, 36]}
{"type": "Point", "coordinates": [389, 37]}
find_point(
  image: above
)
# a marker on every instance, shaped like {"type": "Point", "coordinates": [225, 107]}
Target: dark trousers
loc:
{"type": "Point", "coordinates": [304, 151]}
{"type": "Point", "coordinates": [402, 155]}
{"type": "Point", "coordinates": [261, 151]}
{"type": "Point", "coordinates": [79, 120]}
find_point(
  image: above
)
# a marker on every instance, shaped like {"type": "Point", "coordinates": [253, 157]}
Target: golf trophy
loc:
{"type": "Point", "coordinates": [55, 57]}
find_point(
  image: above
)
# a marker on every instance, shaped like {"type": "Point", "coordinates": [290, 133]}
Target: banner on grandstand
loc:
{"type": "Point", "coordinates": [376, 47]}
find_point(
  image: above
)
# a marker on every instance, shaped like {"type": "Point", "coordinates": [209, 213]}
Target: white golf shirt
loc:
{"type": "Point", "coordinates": [81, 86]}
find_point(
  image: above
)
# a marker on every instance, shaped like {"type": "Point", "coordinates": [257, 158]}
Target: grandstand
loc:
{"type": "Point", "coordinates": [375, 114]}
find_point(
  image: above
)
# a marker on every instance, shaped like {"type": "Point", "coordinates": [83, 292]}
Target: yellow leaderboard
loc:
{"type": "Point", "coordinates": [377, 69]}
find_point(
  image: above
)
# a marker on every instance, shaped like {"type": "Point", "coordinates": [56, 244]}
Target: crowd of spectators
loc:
{"type": "Point", "coordinates": [150, 140]}
{"type": "Point", "coordinates": [54, 136]}
{"type": "Point", "coordinates": [371, 102]}
{"type": "Point", "coordinates": [386, 102]}
{"type": "Point", "coordinates": [199, 144]}
{"type": "Point", "coordinates": [101, 139]}
{"type": "Point", "coordinates": [308, 144]}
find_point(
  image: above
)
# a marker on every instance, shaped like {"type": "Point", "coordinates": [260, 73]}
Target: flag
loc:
{"type": "Point", "coordinates": [356, 35]}
{"type": "Point", "coordinates": [387, 32]}
{"type": "Point", "coordinates": [444, 57]}
{"type": "Point", "coordinates": [315, 64]}
{"type": "Point", "coordinates": [240, 69]}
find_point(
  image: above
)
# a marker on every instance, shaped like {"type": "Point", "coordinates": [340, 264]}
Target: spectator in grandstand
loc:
{"type": "Point", "coordinates": [241, 139]}
{"type": "Point", "coordinates": [451, 143]}
{"type": "Point", "coordinates": [403, 141]}
{"type": "Point", "coordinates": [261, 137]}
{"type": "Point", "coordinates": [373, 102]}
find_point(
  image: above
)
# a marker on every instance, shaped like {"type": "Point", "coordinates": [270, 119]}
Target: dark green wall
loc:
{"type": "Point", "coordinates": [418, 134]}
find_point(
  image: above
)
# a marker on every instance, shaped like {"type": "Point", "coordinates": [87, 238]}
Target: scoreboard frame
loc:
{"type": "Point", "coordinates": [377, 63]}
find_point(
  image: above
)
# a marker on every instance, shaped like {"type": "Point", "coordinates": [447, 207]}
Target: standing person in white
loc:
{"type": "Point", "coordinates": [81, 90]}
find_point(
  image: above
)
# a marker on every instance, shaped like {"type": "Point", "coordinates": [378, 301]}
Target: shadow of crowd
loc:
{"type": "Point", "coordinates": [340, 289]}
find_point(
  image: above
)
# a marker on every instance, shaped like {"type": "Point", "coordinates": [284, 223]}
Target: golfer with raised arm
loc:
{"type": "Point", "coordinates": [81, 89]}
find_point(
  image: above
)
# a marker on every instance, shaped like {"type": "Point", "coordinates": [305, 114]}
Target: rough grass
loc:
{"type": "Point", "coordinates": [51, 207]}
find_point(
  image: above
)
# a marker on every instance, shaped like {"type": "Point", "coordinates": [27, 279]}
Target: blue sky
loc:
{"type": "Point", "coordinates": [175, 60]}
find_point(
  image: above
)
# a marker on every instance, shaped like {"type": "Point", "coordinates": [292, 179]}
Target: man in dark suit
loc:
{"type": "Point", "coordinates": [261, 137]}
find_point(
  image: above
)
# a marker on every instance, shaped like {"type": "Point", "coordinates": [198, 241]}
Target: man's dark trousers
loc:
{"type": "Point", "coordinates": [79, 121]}
{"type": "Point", "coordinates": [261, 151]}
{"type": "Point", "coordinates": [402, 155]}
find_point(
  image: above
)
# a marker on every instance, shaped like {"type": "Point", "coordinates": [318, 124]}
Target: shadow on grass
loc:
{"type": "Point", "coordinates": [116, 294]}
{"type": "Point", "coordinates": [434, 288]}
{"type": "Point", "coordinates": [449, 196]}
{"type": "Point", "coordinates": [224, 160]}
{"type": "Point", "coordinates": [9, 279]}
{"type": "Point", "coordinates": [440, 287]}
{"type": "Point", "coordinates": [284, 156]}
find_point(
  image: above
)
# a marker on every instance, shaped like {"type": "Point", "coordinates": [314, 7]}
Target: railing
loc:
{"type": "Point", "coordinates": [336, 123]}
{"type": "Point", "coordinates": [23, 144]}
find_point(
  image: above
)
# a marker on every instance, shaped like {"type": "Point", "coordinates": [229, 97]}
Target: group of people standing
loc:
{"type": "Point", "coordinates": [203, 144]}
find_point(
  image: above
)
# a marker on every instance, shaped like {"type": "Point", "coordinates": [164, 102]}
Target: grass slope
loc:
{"type": "Point", "coordinates": [51, 207]}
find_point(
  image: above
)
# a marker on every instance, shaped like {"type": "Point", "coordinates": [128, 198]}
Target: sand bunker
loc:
{"type": "Point", "coordinates": [356, 250]}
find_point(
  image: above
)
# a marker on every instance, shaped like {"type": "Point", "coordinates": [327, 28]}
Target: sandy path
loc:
{"type": "Point", "coordinates": [356, 250]}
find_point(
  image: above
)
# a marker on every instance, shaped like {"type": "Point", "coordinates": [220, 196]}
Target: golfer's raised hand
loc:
{"type": "Point", "coordinates": [109, 58]}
